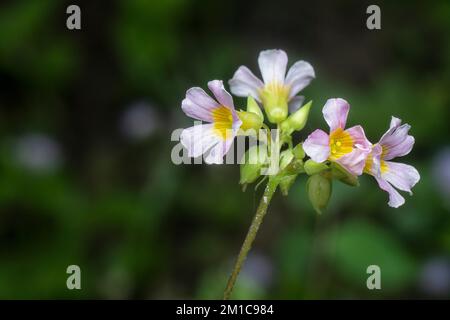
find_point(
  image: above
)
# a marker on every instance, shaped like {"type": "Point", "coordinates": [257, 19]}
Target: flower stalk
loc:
{"type": "Point", "coordinates": [269, 191]}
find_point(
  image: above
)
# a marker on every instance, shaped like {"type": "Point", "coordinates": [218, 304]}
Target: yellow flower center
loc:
{"type": "Point", "coordinates": [341, 143]}
{"type": "Point", "coordinates": [276, 89]}
{"type": "Point", "coordinates": [383, 166]}
{"type": "Point", "coordinates": [223, 121]}
{"type": "Point", "coordinates": [369, 163]}
{"type": "Point", "coordinates": [384, 151]}
{"type": "Point", "coordinates": [274, 97]}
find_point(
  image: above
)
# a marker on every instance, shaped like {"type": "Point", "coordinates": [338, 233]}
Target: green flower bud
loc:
{"type": "Point", "coordinates": [297, 120]}
{"type": "Point", "coordinates": [252, 106]}
{"type": "Point", "coordinates": [254, 159]}
{"type": "Point", "coordinates": [338, 172]}
{"type": "Point", "coordinates": [298, 151]}
{"type": "Point", "coordinates": [319, 191]}
{"type": "Point", "coordinates": [285, 158]}
{"type": "Point", "coordinates": [311, 167]}
{"type": "Point", "coordinates": [250, 120]}
{"type": "Point", "coordinates": [286, 183]}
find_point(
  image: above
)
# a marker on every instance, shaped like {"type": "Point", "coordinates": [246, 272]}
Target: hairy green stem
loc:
{"type": "Point", "coordinates": [251, 234]}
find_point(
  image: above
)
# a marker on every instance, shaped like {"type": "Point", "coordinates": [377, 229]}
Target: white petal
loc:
{"type": "Point", "coordinates": [395, 122]}
{"type": "Point", "coordinates": [395, 198]}
{"type": "Point", "coordinates": [222, 95]}
{"type": "Point", "coordinates": [272, 64]}
{"type": "Point", "coordinates": [354, 161]}
{"type": "Point", "coordinates": [396, 141]}
{"type": "Point", "coordinates": [359, 137]}
{"type": "Point", "coordinates": [295, 103]}
{"type": "Point", "coordinates": [199, 139]}
{"type": "Point", "coordinates": [244, 83]}
{"type": "Point", "coordinates": [401, 176]}
{"type": "Point", "coordinates": [317, 146]}
{"type": "Point", "coordinates": [335, 112]}
{"type": "Point", "coordinates": [375, 155]}
{"type": "Point", "coordinates": [216, 154]}
{"type": "Point", "coordinates": [198, 104]}
{"type": "Point", "coordinates": [299, 76]}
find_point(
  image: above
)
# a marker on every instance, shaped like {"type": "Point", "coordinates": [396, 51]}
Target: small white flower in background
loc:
{"type": "Point", "coordinates": [139, 121]}
{"type": "Point", "coordinates": [441, 171]}
{"type": "Point", "coordinates": [278, 92]}
{"type": "Point", "coordinates": [38, 152]}
{"type": "Point", "coordinates": [259, 269]}
{"type": "Point", "coordinates": [435, 277]}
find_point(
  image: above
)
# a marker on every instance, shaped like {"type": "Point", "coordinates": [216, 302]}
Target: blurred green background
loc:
{"type": "Point", "coordinates": [86, 176]}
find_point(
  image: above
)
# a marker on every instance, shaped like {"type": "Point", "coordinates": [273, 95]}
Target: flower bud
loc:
{"type": "Point", "coordinates": [250, 121]}
{"type": "Point", "coordinates": [285, 158]}
{"type": "Point", "coordinates": [319, 191]}
{"type": "Point", "coordinates": [254, 159]}
{"type": "Point", "coordinates": [311, 167]}
{"type": "Point", "coordinates": [297, 120]}
{"type": "Point", "coordinates": [298, 151]}
{"type": "Point", "coordinates": [252, 106]}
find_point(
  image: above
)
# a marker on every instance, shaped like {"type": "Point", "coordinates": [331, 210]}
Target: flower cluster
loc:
{"type": "Point", "coordinates": [341, 154]}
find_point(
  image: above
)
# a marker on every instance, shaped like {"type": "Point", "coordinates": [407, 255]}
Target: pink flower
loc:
{"type": "Point", "coordinates": [224, 123]}
{"type": "Point", "coordinates": [347, 147]}
{"type": "Point", "coordinates": [394, 143]}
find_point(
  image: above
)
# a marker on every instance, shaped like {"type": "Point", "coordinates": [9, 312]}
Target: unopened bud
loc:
{"type": "Point", "coordinates": [252, 106]}
{"type": "Point", "coordinates": [319, 191]}
{"type": "Point", "coordinates": [285, 158]}
{"type": "Point", "coordinates": [250, 121]}
{"type": "Point", "coordinates": [297, 120]}
{"type": "Point", "coordinates": [298, 151]}
{"type": "Point", "coordinates": [254, 159]}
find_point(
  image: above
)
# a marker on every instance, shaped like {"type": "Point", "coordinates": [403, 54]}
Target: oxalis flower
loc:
{"type": "Point", "coordinates": [278, 91]}
{"type": "Point", "coordinates": [340, 155]}
{"type": "Point", "coordinates": [348, 147]}
{"type": "Point", "coordinates": [223, 120]}
{"type": "Point", "coordinates": [394, 143]}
